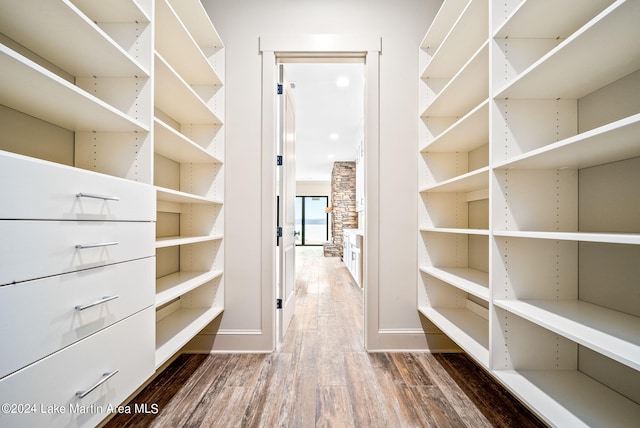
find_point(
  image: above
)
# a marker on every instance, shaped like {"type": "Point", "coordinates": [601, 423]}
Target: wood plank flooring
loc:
{"type": "Point", "coordinates": [322, 377]}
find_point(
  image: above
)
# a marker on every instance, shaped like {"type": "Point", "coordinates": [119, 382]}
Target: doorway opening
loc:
{"type": "Point", "coordinates": [328, 103]}
{"type": "Point", "coordinates": [275, 50]}
{"type": "Point", "coordinates": [312, 220]}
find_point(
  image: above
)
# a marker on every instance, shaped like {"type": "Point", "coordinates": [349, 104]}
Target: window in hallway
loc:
{"type": "Point", "coordinates": [311, 220]}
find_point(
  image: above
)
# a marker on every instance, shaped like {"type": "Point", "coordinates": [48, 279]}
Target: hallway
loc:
{"type": "Point", "coordinates": [321, 376]}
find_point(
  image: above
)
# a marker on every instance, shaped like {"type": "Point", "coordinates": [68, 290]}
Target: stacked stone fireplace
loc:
{"type": "Point", "coordinates": [343, 199]}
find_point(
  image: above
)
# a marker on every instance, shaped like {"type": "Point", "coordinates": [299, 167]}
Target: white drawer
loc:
{"type": "Point", "coordinates": [46, 318]}
{"type": "Point", "coordinates": [41, 190]}
{"type": "Point", "coordinates": [36, 249]}
{"type": "Point", "coordinates": [52, 383]}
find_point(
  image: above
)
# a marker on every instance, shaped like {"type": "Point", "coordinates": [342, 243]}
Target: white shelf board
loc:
{"type": "Point", "coordinates": [455, 230]}
{"type": "Point", "coordinates": [571, 70]}
{"type": "Point", "coordinates": [533, 19]}
{"type": "Point", "coordinates": [464, 39]}
{"type": "Point", "coordinates": [566, 398]}
{"type": "Point", "coordinates": [179, 49]}
{"type": "Point", "coordinates": [174, 331]}
{"type": "Point", "coordinates": [469, 182]}
{"type": "Point", "coordinates": [59, 32]}
{"type": "Point", "coordinates": [173, 241]}
{"type": "Point", "coordinates": [197, 21]}
{"type": "Point", "coordinates": [113, 10]}
{"type": "Point", "coordinates": [611, 238]}
{"type": "Point", "coordinates": [472, 281]}
{"type": "Point", "coordinates": [466, 134]}
{"type": "Point", "coordinates": [442, 23]}
{"type": "Point", "coordinates": [468, 88]}
{"type": "Point", "coordinates": [469, 330]}
{"type": "Point", "coordinates": [608, 332]}
{"type": "Point", "coordinates": [172, 286]}
{"type": "Point", "coordinates": [176, 196]}
{"type": "Point", "coordinates": [173, 145]}
{"type": "Point", "coordinates": [177, 99]}
{"type": "Point", "coordinates": [29, 88]}
{"type": "Point", "coordinates": [584, 150]}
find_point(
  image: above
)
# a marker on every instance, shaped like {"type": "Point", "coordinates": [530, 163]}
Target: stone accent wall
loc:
{"type": "Point", "coordinates": [343, 199]}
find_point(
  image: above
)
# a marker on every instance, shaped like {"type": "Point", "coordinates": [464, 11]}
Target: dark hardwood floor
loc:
{"type": "Point", "coordinates": [322, 377]}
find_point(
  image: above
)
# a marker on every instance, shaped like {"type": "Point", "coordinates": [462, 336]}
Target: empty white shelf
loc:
{"type": "Point", "coordinates": [445, 18]}
{"type": "Point", "coordinates": [611, 333]}
{"type": "Point", "coordinates": [172, 144]}
{"type": "Point", "coordinates": [584, 150]}
{"type": "Point", "coordinates": [612, 238]}
{"type": "Point", "coordinates": [466, 134]}
{"type": "Point", "coordinates": [174, 331]}
{"type": "Point", "coordinates": [113, 10]}
{"type": "Point", "coordinates": [79, 47]}
{"type": "Point", "coordinates": [465, 37]}
{"type": "Point", "coordinates": [469, 330]}
{"type": "Point", "coordinates": [566, 398]}
{"type": "Point", "coordinates": [173, 286]}
{"type": "Point", "coordinates": [455, 230]}
{"type": "Point", "coordinates": [196, 19]}
{"type": "Point", "coordinates": [469, 182]}
{"type": "Point", "coordinates": [472, 281]}
{"type": "Point", "coordinates": [535, 20]}
{"type": "Point", "coordinates": [177, 99]}
{"type": "Point", "coordinates": [559, 74]}
{"type": "Point", "coordinates": [172, 241]}
{"type": "Point", "coordinates": [176, 196]}
{"type": "Point", "coordinates": [179, 49]}
{"type": "Point", "coordinates": [465, 91]}
{"type": "Point", "coordinates": [34, 90]}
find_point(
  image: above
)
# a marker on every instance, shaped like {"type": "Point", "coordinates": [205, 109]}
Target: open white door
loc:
{"type": "Point", "coordinates": [286, 292]}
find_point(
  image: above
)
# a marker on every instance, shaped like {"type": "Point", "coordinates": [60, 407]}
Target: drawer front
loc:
{"type": "Point", "coordinates": [49, 386]}
{"type": "Point", "coordinates": [41, 190]}
{"type": "Point", "coordinates": [36, 249]}
{"type": "Point", "coordinates": [57, 311]}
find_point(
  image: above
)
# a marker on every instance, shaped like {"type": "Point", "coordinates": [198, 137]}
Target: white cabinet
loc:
{"type": "Point", "coordinates": [58, 391]}
{"type": "Point", "coordinates": [189, 173]}
{"type": "Point", "coordinates": [529, 203]}
{"type": "Point", "coordinates": [111, 172]}
{"type": "Point", "coordinates": [352, 253]}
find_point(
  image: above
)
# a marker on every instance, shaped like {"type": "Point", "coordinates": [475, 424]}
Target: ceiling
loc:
{"type": "Point", "coordinates": [329, 116]}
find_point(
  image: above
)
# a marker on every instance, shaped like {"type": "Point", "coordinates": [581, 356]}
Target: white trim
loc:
{"type": "Point", "coordinates": [320, 43]}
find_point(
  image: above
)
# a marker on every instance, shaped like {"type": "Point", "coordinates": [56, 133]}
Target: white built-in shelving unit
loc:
{"type": "Point", "coordinates": [111, 178]}
{"type": "Point", "coordinates": [529, 206]}
{"type": "Point", "coordinates": [189, 175]}
{"type": "Point", "coordinates": [78, 211]}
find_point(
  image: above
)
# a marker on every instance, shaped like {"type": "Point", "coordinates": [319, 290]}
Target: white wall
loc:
{"type": "Point", "coordinates": [313, 188]}
{"type": "Point", "coordinates": [401, 24]}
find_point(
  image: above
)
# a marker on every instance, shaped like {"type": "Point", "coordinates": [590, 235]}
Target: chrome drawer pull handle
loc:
{"type": "Point", "coordinates": [100, 244]}
{"type": "Point", "coordinates": [105, 377]}
{"type": "Point", "coordinates": [94, 196]}
{"type": "Point", "coordinates": [96, 303]}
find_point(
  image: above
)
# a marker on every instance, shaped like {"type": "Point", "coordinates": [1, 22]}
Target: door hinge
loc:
{"type": "Point", "coordinates": [278, 232]}
{"type": "Point", "coordinates": [278, 303]}
{"type": "Point", "coordinates": [280, 88]}
{"type": "Point", "coordinates": [279, 160]}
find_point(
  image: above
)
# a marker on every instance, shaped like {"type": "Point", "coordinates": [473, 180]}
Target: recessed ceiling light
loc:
{"type": "Point", "coordinates": [334, 136]}
{"type": "Point", "coordinates": [330, 156]}
{"type": "Point", "coordinates": [342, 82]}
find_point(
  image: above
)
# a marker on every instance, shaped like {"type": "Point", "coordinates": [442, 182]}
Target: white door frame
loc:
{"type": "Point", "coordinates": [307, 48]}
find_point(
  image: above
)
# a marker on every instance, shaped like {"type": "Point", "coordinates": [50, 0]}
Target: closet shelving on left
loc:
{"type": "Point", "coordinates": [78, 210]}
{"type": "Point", "coordinates": [111, 172]}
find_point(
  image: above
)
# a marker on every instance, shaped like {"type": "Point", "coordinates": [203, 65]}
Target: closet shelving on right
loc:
{"type": "Point", "coordinates": [563, 122]}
